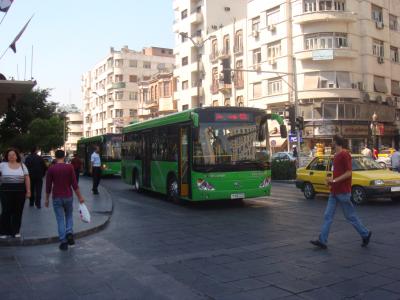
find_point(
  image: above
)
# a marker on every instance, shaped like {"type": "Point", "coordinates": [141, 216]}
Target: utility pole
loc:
{"type": "Point", "coordinates": [296, 104]}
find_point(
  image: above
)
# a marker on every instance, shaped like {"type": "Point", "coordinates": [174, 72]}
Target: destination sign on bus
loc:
{"type": "Point", "coordinates": [232, 117]}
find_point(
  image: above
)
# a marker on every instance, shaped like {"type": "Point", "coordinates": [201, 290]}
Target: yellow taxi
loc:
{"type": "Point", "coordinates": [386, 152]}
{"type": "Point", "coordinates": [369, 180]}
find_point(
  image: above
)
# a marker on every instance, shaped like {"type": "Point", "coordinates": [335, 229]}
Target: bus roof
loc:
{"type": "Point", "coordinates": [179, 117]}
{"type": "Point", "coordinates": [98, 138]}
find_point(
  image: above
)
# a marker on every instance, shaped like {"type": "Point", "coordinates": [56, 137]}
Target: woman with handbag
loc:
{"type": "Point", "coordinates": [14, 189]}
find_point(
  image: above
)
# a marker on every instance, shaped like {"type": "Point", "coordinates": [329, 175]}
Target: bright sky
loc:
{"type": "Point", "coordinates": [70, 37]}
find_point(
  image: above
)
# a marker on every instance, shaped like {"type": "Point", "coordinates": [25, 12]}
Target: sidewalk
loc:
{"type": "Point", "coordinates": [39, 226]}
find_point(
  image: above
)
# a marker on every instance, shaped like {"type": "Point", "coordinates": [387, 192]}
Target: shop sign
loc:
{"type": "Point", "coordinates": [326, 130]}
{"type": "Point", "coordinates": [351, 130]}
{"type": "Point", "coordinates": [326, 54]}
{"type": "Point", "coordinates": [380, 129]}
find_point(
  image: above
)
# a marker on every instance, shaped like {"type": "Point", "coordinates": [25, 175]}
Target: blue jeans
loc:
{"type": "Point", "coordinates": [63, 210]}
{"type": "Point", "coordinates": [348, 211]}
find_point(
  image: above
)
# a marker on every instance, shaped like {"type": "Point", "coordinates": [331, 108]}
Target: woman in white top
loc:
{"type": "Point", "coordinates": [14, 189]}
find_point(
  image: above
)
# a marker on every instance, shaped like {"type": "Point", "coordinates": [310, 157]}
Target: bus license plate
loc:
{"type": "Point", "coordinates": [395, 189]}
{"type": "Point", "coordinates": [237, 196]}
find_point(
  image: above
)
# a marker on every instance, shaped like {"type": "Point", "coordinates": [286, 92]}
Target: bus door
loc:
{"type": "Point", "coordinates": [184, 161]}
{"type": "Point", "coordinates": [146, 160]}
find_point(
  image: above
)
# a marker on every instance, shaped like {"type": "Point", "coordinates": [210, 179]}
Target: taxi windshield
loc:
{"type": "Point", "coordinates": [364, 164]}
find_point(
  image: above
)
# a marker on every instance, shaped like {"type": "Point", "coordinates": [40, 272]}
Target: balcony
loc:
{"type": "Point", "coordinates": [329, 93]}
{"type": "Point", "coordinates": [224, 54]}
{"type": "Point", "coordinates": [196, 17]}
{"type": "Point", "coordinates": [151, 104]}
{"type": "Point", "coordinates": [238, 50]}
{"type": "Point", "coordinates": [239, 84]}
{"type": "Point", "coordinates": [327, 54]}
{"type": "Point", "coordinates": [326, 16]}
{"type": "Point", "coordinates": [224, 87]}
{"type": "Point", "coordinates": [167, 105]}
{"type": "Point", "coordinates": [118, 85]}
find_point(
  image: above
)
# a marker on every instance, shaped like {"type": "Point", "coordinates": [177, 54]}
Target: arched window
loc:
{"type": "Point", "coordinates": [214, 48]}
{"type": "Point", "coordinates": [239, 41]}
{"type": "Point", "coordinates": [226, 44]}
{"type": "Point", "coordinates": [239, 82]}
{"type": "Point", "coordinates": [239, 101]}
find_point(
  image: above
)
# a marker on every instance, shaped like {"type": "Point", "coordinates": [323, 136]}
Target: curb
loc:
{"type": "Point", "coordinates": [54, 239]}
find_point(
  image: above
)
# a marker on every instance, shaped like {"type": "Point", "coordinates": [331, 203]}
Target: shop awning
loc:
{"type": "Point", "coordinates": [13, 90]}
{"type": "Point", "coordinates": [311, 81]}
{"type": "Point", "coordinates": [380, 84]}
{"type": "Point", "coordinates": [395, 88]}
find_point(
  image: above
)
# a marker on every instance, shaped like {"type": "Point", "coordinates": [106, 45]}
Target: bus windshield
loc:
{"type": "Point", "coordinates": [112, 148]}
{"type": "Point", "coordinates": [229, 145]}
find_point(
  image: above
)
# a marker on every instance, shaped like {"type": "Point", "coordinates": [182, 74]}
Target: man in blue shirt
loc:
{"type": "Point", "coordinates": [395, 160]}
{"type": "Point", "coordinates": [95, 169]}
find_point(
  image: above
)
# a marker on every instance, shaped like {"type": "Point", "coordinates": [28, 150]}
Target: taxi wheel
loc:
{"type": "Point", "coordinates": [358, 195]}
{"type": "Point", "coordinates": [308, 191]}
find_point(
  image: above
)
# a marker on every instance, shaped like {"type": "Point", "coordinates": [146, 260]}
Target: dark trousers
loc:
{"type": "Point", "coordinates": [12, 206]}
{"type": "Point", "coordinates": [96, 174]}
{"type": "Point", "coordinates": [77, 175]}
{"type": "Point", "coordinates": [36, 192]}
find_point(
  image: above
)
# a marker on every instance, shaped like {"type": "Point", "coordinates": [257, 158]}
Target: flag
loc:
{"type": "Point", "coordinates": [12, 45]}
{"type": "Point", "coordinates": [5, 5]}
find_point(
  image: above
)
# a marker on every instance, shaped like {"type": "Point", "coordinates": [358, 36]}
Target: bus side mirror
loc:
{"type": "Point", "coordinates": [283, 131]}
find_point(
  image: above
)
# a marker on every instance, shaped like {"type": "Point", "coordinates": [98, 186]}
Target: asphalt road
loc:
{"type": "Point", "coordinates": [256, 249]}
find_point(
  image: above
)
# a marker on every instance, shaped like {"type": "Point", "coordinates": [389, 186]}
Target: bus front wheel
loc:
{"type": "Point", "coordinates": [173, 190]}
{"type": "Point", "coordinates": [136, 182]}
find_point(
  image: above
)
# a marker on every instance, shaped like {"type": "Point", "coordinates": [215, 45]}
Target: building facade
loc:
{"type": "Point", "coordinates": [110, 91]}
{"type": "Point", "coordinates": [156, 96]}
{"type": "Point", "coordinates": [344, 54]}
{"type": "Point", "coordinates": [74, 123]}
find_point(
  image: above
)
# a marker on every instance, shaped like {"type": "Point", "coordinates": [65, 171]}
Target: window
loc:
{"type": "Point", "coordinates": [133, 78]}
{"type": "Point", "coordinates": [215, 81]}
{"type": "Point", "coordinates": [319, 164]}
{"type": "Point", "coordinates": [274, 50]}
{"type": "Point", "coordinates": [378, 48]}
{"type": "Point", "coordinates": [166, 89]}
{"type": "Point", "coordinates": [132, 113]}
{"type": "Point", "coordinates": [133, 95]}
{"type": "Point", "coordinates": [227, 102]}
{"type": "Point", "coordinates": [214, 48]}
{"type": "Point", "coordinates": [394, 54]}
{"type": "Point", "coordinates": [377, 14]}
{"type": "Point", "coordinates": [380, 84]}
{"type": "Point", "coordinates": [330, 111]}
{"type": "Point", "coordinates": [239, 82]}
{"type": "Point", "coordinates": [327, 80]}
{"type": "Point", "coordinates": [147, 65]}
{"type": "Point", "coordinates": [257, 56]}
{"type": "Point", "coordinates": [395, 88]}
{"type": "Point", "coordinates": [119, 63]}
{"type": "Point", "coordinates": [257, 90]}
{"type": "Point", "coordinates": [226, 48]}
{"type": "Point", "coordinates": [185, 61]}
{"type": "Point", "coordinates": [119, 95]}
{"type": "Point", "coordinates": [183, 36]}
{"type": "Point", "coordinates": [239, 101]}
{"type": "Point", "coordinates": [119, 113]}
{"type": "Point", "coordinates": [330, 40]}
{"type": "Point", "coordinates": [255, 24]}
{"type": "Point", "coordinates": [185, 85]}
{"type": "Point", "coordinates": [393, 23]}
{"type": "Point", "coordinates": [323, 5]}
{"type": "Point", "coordinates": [133, 63]}
{"type": "Point", "coordinates": [119, 78]}
{"type": "Point", "coordinates": [239, 41]}
{"type": "Point", "coordinates": [274, 86]}
{"type": "Point", "coordinates": [273, 16]}
{"type": "Point", "coordinates": [184, 14]}
{"type": "Point", "coordinates": [185, 107]}
{"type": "Point", "coordinates": [215, 103]}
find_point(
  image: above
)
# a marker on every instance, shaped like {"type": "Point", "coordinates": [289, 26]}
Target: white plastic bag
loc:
{"type": "Point", "coordinates": [84, 213]}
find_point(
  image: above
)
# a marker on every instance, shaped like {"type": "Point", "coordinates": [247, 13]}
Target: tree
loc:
{"type": "Point", "coordinates": [46, 134]}
{"type": "Point", "coordinates": [14, 124]}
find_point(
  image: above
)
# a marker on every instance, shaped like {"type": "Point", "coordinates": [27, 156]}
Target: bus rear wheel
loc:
{"type": "Point", "coordinates": [173, 190]}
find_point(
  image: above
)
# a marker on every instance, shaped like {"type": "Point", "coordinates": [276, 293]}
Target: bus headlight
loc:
{"type": "Point", "coordinates": [266, 182]}
{"type": "Point", "coordinates": [203, 185]}
{"type": "Point", "coordinates": [377, 182]}
{"type": "Point", "coordinates": [104, 167]}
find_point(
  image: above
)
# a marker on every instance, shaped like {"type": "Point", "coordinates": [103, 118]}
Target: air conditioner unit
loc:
{"type": "Point", "coordinates": [361, 86]}
{"type": "Point", "coordinates": [215, 27]}
{"type": "Point", "coordinates": [381, 60]}
{"type": "Point", "coordinates": [255, 33]}
{"type": "Point", "coordinates": [379, 25]}
{"type": "Point", "coordinates": [271, 27]}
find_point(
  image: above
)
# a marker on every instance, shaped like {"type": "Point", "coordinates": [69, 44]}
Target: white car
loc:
{"type": "Point", "coordinates": [384, 162]}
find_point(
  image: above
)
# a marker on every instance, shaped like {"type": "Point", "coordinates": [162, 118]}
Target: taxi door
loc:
{"type": "Point", "coordinates": [317, 173]}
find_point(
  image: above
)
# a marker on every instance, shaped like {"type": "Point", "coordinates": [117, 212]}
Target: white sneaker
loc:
{"type": "Point", "coordinates": [3, 237]}
{"type": "Point", "coordinates": [18, 235]}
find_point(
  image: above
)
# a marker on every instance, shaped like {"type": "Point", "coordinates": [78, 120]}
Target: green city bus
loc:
{"type": "Point", "coordinates": [210, 153]}
{"type": "Point", "coordinates": [110, 152]}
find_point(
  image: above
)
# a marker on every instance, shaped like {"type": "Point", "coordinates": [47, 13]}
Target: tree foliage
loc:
{"type": "Point", "coordinates": [32, 120]}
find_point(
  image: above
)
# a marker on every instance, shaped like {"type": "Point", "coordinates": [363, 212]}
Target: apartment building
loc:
{"type": "Point", "coordinates": [156, 96]}
{"type": "Point", "coordinates": [346, 63]}
{"type": "Point", "coordinates": [74, 123]}
{"type": "Point", "coordinates": [110, 90]}
{"type": "Point", "coordinates": [206, 34]}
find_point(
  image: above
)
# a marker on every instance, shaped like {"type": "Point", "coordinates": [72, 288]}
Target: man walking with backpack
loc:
{"type": "Point", "coordinates": [37, 169]}
{"type": "Point", "coordinates": [340, 185]}
{"type": "Point", "coordinates": [60, 179]}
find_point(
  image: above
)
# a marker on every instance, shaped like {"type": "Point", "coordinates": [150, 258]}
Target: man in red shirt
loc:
{"type": "Point", "coordinates": [341, 193]}
{"type": "Point", "coordinates": [60, 178]}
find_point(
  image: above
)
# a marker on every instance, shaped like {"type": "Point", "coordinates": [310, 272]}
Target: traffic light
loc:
{"type": "Point", "coordinates": [226, 71]}
{"type": "Point", "coordinates": [291, 115]}
{"type": "Point", "coordinates": [300, 123]}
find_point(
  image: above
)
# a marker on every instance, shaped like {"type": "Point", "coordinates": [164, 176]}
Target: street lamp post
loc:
{"type": "Point", "coordinates": [373, 130]}
{"type": "Point", "coordinates": [199, 47]}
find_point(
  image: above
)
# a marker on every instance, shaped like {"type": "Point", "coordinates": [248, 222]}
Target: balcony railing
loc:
{"type": "Point", "coordinates": [238, 50]}
{"type": "Point", "coordinates": [224, 88]}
